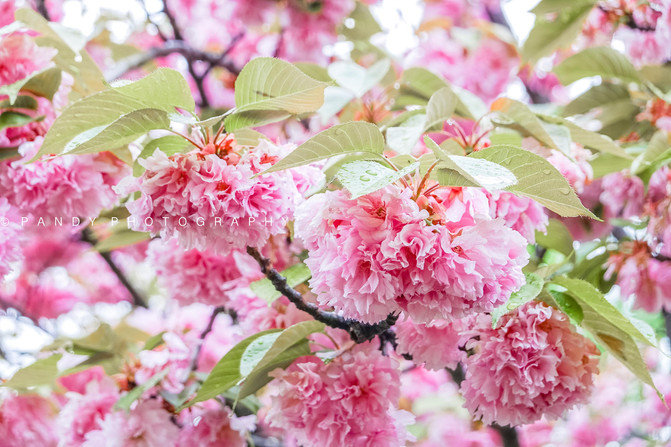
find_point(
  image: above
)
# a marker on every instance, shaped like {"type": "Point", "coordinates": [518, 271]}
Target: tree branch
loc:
{"type": "Point", "coordinates": [138, 300]}
{"type": "Point", "coordinates": [360, 332]}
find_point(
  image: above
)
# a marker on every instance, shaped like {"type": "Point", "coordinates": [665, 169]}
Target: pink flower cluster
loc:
{"type": "Point", "coordinates": [349, 401]}
{"type": "Point", "coordinates": [67, 186]}
{"type": "Point", "coordinates": [192, 276]}
{"type": "Point", "coordinates": [20, 57]}
{"type": "Point", "coordinates": [436, 344]}
{"type": "Point", "coordinates": [524, 215]}
{"type": "Point", "coordinates": [641, 276]}
{"type": "Point", "coordinates": [534, 364]}
{"type": "Point", "coordinates": [215, 426]}
{"type": "Point", "coordinates": [27, 420]}
{"type": "Point", "coordinates": [622, 195]}
{"type": "Point", "coordinates": [377, 254]}
{"type": "Point", "coordinates": [212, 203]}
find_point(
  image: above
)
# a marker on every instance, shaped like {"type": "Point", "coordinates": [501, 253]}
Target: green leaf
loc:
{"type": "Point", "coordinates": [549, 35]}
{"type": "Point", "coordinates": [164, 89]}
{"type": "Point", "coordinates": [402, 139]}
{"type": "Point", "coordinates": [12, 90]}
{"type": "Point", "coordinates": [557, 237]}
{"type": "Point", "coordinates": [419, 84]}
{"type": "Point", "coordinates": [348, 138]}
{"type": "Point", "coordinates": [249, 137]}
{"type": "Point", "coordinates": [125, 401]}
{"type": "Point", "coordinates": [289, 345]}
{"type": "Point", "coordinates": [124, 130]}
{"type": "Point", "coordinates": [22, 102]}
{"type": "Point", "coordinates": [45, 84]}
{"type": "Point", "coordinates": [41, 372]}
{"type": "Point", "coordinates": [169, 145]}
{"type": "Point", "coordinates": [121, 238]}
{"type": "Point", "coordinates": [536, 179]}
{"type": "Point", "coordinates": [364, 25]}
{"type": "Point", "coordinates": [154, 341]}
{"type": "Point", "coordinates": [657, 75]}
{"type": "Point", "coordinates": [315, 71]}
{"type": "Point", "coordinates": [655, 150]}
{"type": "Point", "coordinates": [440, 108]}
{"type": "Point", "coordinates": [605, 164]}
{"type": "Point", "coordinates": [589, 139]}
{"type": "Point", "coordinates": [363, 177]}
{"type": "Point", "coordinates": [518, 115]}
{"type": "Point", "coordinates": [356, 78]}
{"type": "Point", "coordinates": [269, 90]}
{"type": "Point", "coordinates": [295, 275]}
{"type": "Point", "coordinates": [596, 61]}
{"type": "Point", "coordinates": [608, 326]}
{"type": "Point", "coordinates": [477, 172]}
{"type": "Point", "coordinates": [602, 95]}
{"type": "Point", "coordinates": [335, 98]}
{"type": "Point", "coordinates": [556, 6]}
{"type": "Point", "coordinates": [14, 119]}
{"type": "Point", "coordinates": [226, 373]}
{"type": "Point", "coordinates": [530, 290]}
{"type": "Point", "coordinates": [88, 77]}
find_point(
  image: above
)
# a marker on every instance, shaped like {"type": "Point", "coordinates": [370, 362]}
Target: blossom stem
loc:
{"type": "Point", "coordinates": [360, 332]}
{"type": "Point", "coordinates": [138, 300]}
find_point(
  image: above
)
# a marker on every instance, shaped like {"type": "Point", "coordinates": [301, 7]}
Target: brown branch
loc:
{"type": "Point", "coordinates": [360, 332]}
{"type": "Point", "coordinates": [138, 300]}
{"type": "Point", "coordinates": [41, 7]}
{"type": "Point", "coordinates": [210, 324]}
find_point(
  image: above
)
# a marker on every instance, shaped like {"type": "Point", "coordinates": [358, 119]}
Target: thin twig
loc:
{"type": "Point", "coordinates": [210, 324]}
{"type": "Point", "coordinates": [41, 6]}
{"type": "Point", "coordinates": [360, 332]}
{"type": "Point", "coordinates": [138, 300]}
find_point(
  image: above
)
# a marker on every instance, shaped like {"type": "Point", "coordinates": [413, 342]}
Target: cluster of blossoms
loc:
{"type": "Point", "coordinates": [439, 255]}
{"type": "Point", "coordinates": [209, 198]}
{"type": "Point", "coordinates": [349, 401]}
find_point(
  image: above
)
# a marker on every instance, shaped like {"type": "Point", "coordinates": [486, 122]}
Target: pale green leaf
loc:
{"type": "Point", "coordinates": [341, 139]}
{"type": "Point", "coordinates": [289, 345]}
{"type": "Point", "coordinates": [587, 138]}
{"type": "Point", "coordinates": [255, 352]}
{"type": "Point", "coordinates": [14, 119]}
{"type": "Point", "coordinates": [122, 238]}
{"type": "Point", "coordinates": [364, 176]}
{"type": "Point", "coordinates": [556, 237]}
{"type": "Point", "coordinates": [536, 179]}
{"type": "Point", "coordinates": [555, 6]}
{"type": "Point", "coordinates": [596, 61]}
{"type": "Point", "coordinates": [41, 372]}
{"type": "Point", "coordinates": [600, 96]}
{"type": "Point", "coordinates": [88, 77]}
{"type": "Point", "coordinates": [356, 78]}
{"type": "Point", "coordinates": [124, 130]}
{"type": "Point", "coordinates": [655, 150]}
{"type": "Point", "coordinates": [608, 326]}
{"type": "Point", "coordinates": [403, 138]}
{"type": "Point", "coordinates": [295, 275]}
{"type": "Point", "coordinates": [530, 290]}
{"type": "Point", "coordinates": [335, 98]}
{"type": "Point", "coordinates": [22, 102]}
{"type": "Point", "coordinates": [481, 173]}
{"type": "Point", "coordinates": [45, 84]}
{"type": "Point", "coordinates": [550, 34]}
{"type": "Point", "coordinates": [440, 108]}
{"type": "Point", "coordinates": [520, 117]}
{"type": "Point", "coordinates": [125, 401]}
{"type": "Point", "coordinates": [226, 373]}
{"type": "Point", "coordinates": [269, 89]}
{"type": "Point", "coordinates": [163, 89]}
